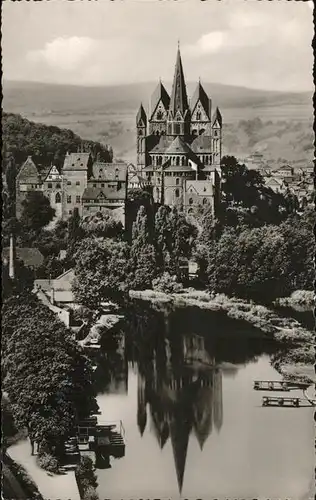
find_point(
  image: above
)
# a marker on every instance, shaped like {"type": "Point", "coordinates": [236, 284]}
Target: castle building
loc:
{"type": "Point", "coordinates": [83, 184]}
{"type": "Point", "coordinates": [180, 143]}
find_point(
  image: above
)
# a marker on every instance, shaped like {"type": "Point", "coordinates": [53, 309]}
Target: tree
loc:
{"type": "Point", "coordinates": [182, 241]}
{"type": "Point", "coordinates": [143, 255]}
{"type": "Point", "coordinates": [36, 211]}
{"type": "Point", "coordinates": [101, 271]}
{"type": "Point", "coordinates": [46, 375]}
{"type": "Point", "coordinates": [102, 224]}
{"type": "Point", "coordinates": [75, 232]}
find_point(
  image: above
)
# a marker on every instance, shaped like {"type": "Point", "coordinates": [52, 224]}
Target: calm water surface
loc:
{"type": "Point", "coordinates": [195, 428]}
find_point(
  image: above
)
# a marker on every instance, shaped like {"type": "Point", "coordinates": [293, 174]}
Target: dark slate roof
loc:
{"type": "Point", "coordinates": [162, 145]}
{"type": "Point", "coordinates": [202, 188]}
{"type": "Point", "coordinates": [91, 193]}
{"type": "Point", "coordinates": [76, 161]}
{"type": "Point", "coordinates": [178, 146]}
{"type": "Point", "coordinates": [31, 257]}
{"type": "Point", "coordinates": [160, 93]}
{"type": "Point", "coordinates": [202, 144]}
{"type": "Point", "coordinates": [28, 172]}
{"type": "Point", "coordinates": [217, 116]}
{"type": "Point", "coordinates": [141, 116]}
{"type": "Point", "coordinates": [179, 168]}
{"type": "Point", "coordinates": [109, 171]}
{"type": "Point", "coordinates": [179, 98]}
{"type": "Point", "coordinates": [200, 95]}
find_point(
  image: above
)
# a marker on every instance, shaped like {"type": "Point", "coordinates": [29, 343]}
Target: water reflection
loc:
{"type": "Point", "coordinates": [179, 373]}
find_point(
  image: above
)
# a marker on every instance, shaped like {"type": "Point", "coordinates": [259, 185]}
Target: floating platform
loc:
{"type": "Point", "coordinates": [277, 385]}
{"type": "Point", "coordinates": [279, 401]}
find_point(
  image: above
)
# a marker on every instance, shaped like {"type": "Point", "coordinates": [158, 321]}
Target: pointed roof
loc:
{"type": "Point", "coordinates": [141, 115]}
{"type": "Point", "coordinates": [28, 172]}
{"type": "Point", "coordinates": [200, 95]}
{"type": "Point", "coordinates": [76, 161]}
{"type": "Point", "coordinates": [178, 146]}
{"type": "Point", "coordinates": [217, 117]}
{"type": "Point", "coordinates": [160, 93]}
{"type": "Point", "coordinates": [179, 98]}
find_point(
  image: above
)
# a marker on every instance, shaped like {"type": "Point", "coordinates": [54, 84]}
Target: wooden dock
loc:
{"type": "Point", "coordinates": [285, 402]}
{"type": "Point", "coordinates": [278, 385]}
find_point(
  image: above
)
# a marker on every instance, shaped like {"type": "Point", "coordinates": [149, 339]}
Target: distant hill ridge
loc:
{"type": "Point", "coordinates": [128, 96]}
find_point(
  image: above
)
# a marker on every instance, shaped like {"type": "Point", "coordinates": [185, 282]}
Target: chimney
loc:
{"type": "Point", "coordinates": [12, 258]}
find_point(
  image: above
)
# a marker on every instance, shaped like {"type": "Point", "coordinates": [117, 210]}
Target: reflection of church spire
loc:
{"type": "Point", "coordinates": [218, 400]}
{"type": "Point", "coordinates": [160, 424]}
{"type": "Point", "coordinates": [141, 404]}
{"type": "Point", "coordinates": [180, 430]}
{"type": "Point", "coordinates": [202, 409]}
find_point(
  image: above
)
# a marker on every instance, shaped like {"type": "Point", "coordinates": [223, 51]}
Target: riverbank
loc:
{"type": "Point", "coordinates": [298, 300]}
{"type": "Point", "coordinates": [296, 362]}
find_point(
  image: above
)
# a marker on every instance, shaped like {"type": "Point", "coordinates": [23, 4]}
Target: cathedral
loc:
{"type": "Point", "coordinates": [179, 145]}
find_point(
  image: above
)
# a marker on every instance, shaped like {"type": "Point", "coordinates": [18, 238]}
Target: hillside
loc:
{"type": "Point", "coordinates": [46, 144]}
{"type": "Point", "coordinates": [107, 115]}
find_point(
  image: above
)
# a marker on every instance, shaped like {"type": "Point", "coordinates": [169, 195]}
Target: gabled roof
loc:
{"type": "Point", "coordinates": [52, 170]}
{"type": "Point", "coordinates": [160, 93]}
{"type": "Point", "coordinates": [217, 117]}
{"type": "Point", "coordinates": [28, 172]}
{"type": "Point", "coordinates": [202, 188]}
{"type": "Point", "coordinates": [141, 116]}
{"type": "Point", "coordinates": [109, 171]}
{"type": "Point", "coordinates": [200, 95]}
{"type": "Point", "coordinates": [162, 145]}
{"type": "Point", "coordinates": [178, 146]}
{"type": "Point", "coordinates": [76, 161]}
{"type": "Point", "coordinates": [179, 98]}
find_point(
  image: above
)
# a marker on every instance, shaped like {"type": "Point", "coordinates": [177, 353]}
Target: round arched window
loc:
{"type": "Point", "coordinates": [159, 115]}
{"type": "Point", "coordinates": [190, 201]}
{"type": "Point", "coordinates": [204, 201]}
{"type": "Point", "coordinates": [177, 193]}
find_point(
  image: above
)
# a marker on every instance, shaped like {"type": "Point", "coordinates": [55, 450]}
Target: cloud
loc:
{"type": "Point", "coordinates": [64, 53]}
{"type": "Point", "coordinates": [207, 43]}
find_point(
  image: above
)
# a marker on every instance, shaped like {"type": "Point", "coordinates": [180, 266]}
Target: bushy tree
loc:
{"type": "Point", "coordinates": [46, 375]}
{"type": "Point", "coordinates": [102, 224]}
{"type": "Point", "coordinates": [143, 256]}
{"type": "Point", "coordinates": [36, 211]}
{"type": "Point", "coordinates": [101, 270]}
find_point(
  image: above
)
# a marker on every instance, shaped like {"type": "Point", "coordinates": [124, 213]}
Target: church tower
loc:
{"type": "Point", "coordinates": [141, 124]}
{"type": "Point", "coordinates": [178, 120]}
{"type": "Point", "coordinates": [217, 137]}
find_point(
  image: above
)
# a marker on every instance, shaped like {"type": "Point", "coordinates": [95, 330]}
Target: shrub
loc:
{"type": "Point", "coordinates": [90, 494]}
{"type": "Point", "coordinates": [167, 284]}
{"type": "Point", "coordinates": [48, 462]}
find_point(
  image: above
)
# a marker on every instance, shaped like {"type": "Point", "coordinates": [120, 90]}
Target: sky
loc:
{"type": "Point", "coordinates": [263, 45]}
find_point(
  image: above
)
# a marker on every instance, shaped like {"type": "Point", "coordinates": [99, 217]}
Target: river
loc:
{"type": "Point", "coordinates": [182, 385]}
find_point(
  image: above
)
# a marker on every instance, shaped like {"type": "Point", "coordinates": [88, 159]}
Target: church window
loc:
{"type": "Point", "coordinates": [194, 131]}
{"type": "Point", "coordinates": [94, 185]}
{"type": "Point", "coordinates": [202, 131]}
{"type": "Point", "coordinates": [198, 115]}
{"type": "Point", "coordinates": [177, 129]}
{"type": "Point", "coordinates": [177, 181]}
{"type": "Point", "coordinates": [57, 198]}
{"type": "Point", "coordinates": [157, 133]}
{"type": "Point", "coordinates": [204, 201]}
{"type": "Point", "coordinates": [77, 199]}
{"type": "Point", "coordinates": [177, 193]}
{"type": "Point", "coordinates": [206, 160]}
{"type": "Point", "coordinates": [159, 115]}
{"type": "Point", "coordinates": [50, 185]}
{"type": "Point", "coordinates": [68, 183]}
{"type": "Point", "coordinates": [58, 185]}
{"type": "Point", "coordinates": [215, 133]}
{"type": "Point", "coordinates": [68, 199]}
{"type": "Point", "coordinates": [70, 212]}
{"type": "Point", "coordinates": [140, 132]}
{"type": "Point", "coordinates": [77, 183]}
{"type": "Point", "coordinates": [178, 118]}
{"type": "Point", "coordinates": [102, 185]}
{"type": "Point", "coordinates": [178, 160]}
{"type": "Point", "coordinates": [190, 211]}
{"type": "Point", "coordinates": [190, 201]}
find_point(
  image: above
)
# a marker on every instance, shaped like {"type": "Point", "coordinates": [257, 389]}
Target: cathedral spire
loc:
{"type": "Point", "coordinates": [179, 99]}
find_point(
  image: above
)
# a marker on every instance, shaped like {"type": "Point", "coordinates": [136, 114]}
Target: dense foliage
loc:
{"type": "Point", "coordinates": [46, 375]}
{"type": "Point", "coordinates": [46, 144]}
{"type": "Point", "coordinates": [86, 479]}
{"type": "Point", "coordinates": [262, 263]}
{"type": "Point", "coordinates": [36, 211]}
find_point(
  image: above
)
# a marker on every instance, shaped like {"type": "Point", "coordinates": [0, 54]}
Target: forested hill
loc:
{"type": "Point", "coordinates": [46, 144]}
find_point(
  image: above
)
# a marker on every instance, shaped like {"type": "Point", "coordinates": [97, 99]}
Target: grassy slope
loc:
{"type": "Point", "coordinates": [107, 114]}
